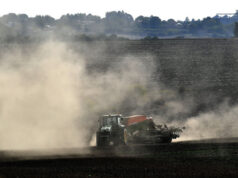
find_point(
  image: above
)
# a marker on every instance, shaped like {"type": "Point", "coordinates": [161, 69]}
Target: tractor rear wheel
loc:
{"type": "Point", "coordinates": [167, 139]}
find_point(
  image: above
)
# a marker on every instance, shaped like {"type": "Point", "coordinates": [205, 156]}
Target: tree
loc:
{"type": "Point", "coordinates": [187, 20]}
{"type": "Point", "coordinates": [42, 21]}
{"type": "Point", "coordinates": [154, 22]}
{"type": "Point", "coordinates": [118, 22]}
{"type": "Point", "coordinates": [236, 30]}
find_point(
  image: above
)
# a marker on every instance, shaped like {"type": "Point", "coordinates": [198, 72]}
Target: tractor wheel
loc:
{"type": "Point", "coordinates": [99, 141]}
{"type": "Point", "coordinates": [167, 140]}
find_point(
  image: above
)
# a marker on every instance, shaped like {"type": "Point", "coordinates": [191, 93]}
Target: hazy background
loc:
{"type": "Point", "coordinates": [114, 24]}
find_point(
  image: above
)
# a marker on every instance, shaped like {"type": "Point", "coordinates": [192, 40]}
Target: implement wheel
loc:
{"type": "Point", "coordinates": [125, 135]}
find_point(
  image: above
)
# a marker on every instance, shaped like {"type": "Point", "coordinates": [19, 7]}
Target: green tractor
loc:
{"type": "Point", "coordinates": [111, 131]}
{"type": "Point", "coordinates": [139, 129]}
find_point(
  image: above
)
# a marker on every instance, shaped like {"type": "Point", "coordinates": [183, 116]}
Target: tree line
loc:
{"type": "Point", "coordinates": [117, 23]}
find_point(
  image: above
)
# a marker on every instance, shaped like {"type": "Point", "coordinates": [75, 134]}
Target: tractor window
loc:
{"type": "Point", "coordinates": [109, 121]}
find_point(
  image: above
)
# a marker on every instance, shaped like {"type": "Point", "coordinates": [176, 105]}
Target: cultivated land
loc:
{"type": "Point", "coordinates": [213, 158]}
{"type": "Point", "coordinates": [205, 69]}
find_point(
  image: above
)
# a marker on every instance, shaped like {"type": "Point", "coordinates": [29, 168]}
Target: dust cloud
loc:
{"type": "Point", "coordinates": [219, 123]}
{"type": "Point", "coordinates": [39, 105]}
{"type": "Point", "coordinates": [48, 98]}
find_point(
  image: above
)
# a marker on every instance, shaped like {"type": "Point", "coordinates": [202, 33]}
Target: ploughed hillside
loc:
{"type": "Point", "coordinates": [201, 71]}
{"type": "Point", "coordinates": [204, 69]}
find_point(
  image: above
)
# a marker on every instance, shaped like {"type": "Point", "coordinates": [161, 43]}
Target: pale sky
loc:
{"type": "Point", "coordinates": [165, 9]}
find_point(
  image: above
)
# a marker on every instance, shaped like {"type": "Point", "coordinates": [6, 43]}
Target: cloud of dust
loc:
{"type": "Point", "coordinates": [48, 98]}
{"type": "Point", "coordinates": [39, 105]}
{"type": "Point", "coordinates": [220, 123]}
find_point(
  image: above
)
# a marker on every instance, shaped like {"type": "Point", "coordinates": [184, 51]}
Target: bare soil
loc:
{"type": "Point", "coordinates": [207, 158]}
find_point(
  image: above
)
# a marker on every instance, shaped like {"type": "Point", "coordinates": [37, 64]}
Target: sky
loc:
{"type": "Point", "coordinates": [165, 9]}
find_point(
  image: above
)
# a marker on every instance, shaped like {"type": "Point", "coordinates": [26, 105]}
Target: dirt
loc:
{"type": "Point", "coordinates": [182, 159]}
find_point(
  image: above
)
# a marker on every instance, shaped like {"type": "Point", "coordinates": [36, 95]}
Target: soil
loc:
{"type": "Point", "coordinates": [207, 158]}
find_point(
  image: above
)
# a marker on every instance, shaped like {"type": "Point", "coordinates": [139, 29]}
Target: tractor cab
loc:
{"type": "Point", "coordinates": [111, 130]}
{"type": "Point", "coordinates": [111, 120]}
